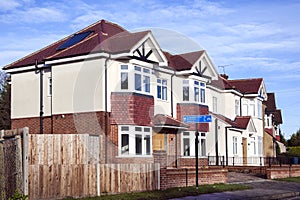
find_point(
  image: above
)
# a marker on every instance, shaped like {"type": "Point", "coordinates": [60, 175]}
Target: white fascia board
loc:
{"type": "Point", "coordinates": [199, 78]}
{"type": "Point", "coordinates": [29, 67]}
{"type": "Point", "coordinates": [82, 57]}
{"type": "Point", "coordinates": [224, 91]}
{"type": "Point", "coordinates": [171, 127]}
{"type": "Point", "coordinates": [151, 66]}
{"type": "Point", "coordinates": [251, 95]}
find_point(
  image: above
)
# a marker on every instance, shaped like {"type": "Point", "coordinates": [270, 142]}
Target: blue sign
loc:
{"type": "Point", "coordinates": [197, 119]}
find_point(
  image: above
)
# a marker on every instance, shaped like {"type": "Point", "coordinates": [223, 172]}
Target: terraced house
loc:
{"type": "Point", "coordinates": [107, 81]}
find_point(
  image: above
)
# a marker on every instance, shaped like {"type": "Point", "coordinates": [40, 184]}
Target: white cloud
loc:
{"type": "Point", "coordinates": [8, 5]}
{"type": "Point", "coordinates": [34, 15]}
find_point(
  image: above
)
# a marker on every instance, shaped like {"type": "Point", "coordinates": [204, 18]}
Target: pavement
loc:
{"type": "Point", "coordinates": [262, 189]}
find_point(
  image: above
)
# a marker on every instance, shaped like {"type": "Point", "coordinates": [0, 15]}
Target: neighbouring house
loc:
{"type": "Point", "coordinates": [273, 120]}
{"type": "Point", "coordinates": [121, 85]}
{"type": "Point", "coordinates": [236, 134]}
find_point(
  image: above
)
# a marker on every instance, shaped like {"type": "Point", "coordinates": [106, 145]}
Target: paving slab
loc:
{"type": "Point", "coordinates": [262, 189]}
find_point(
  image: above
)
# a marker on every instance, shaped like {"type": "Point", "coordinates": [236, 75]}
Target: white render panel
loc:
{"type": "Point", "coordinates": [25, 95]}
{"type": "Point", "coordinates": [77, 87]}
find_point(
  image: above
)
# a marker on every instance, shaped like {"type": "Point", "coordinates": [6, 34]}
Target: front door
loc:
{"type": "Point", "coordinates": [245, 147]}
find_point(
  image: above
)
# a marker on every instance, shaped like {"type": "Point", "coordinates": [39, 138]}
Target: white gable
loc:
{"type": "Point", "coordinates": [205, 67]}
{"type": "Point", "coordinates": [147, 49]}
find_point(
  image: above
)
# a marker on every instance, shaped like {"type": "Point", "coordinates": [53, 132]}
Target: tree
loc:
{"type": "Point", "coordinates": [295, 139]}
{"type": "Point", "coordinates": [282, 139]}
{"type": "Point", "coordinates": [5, 122]}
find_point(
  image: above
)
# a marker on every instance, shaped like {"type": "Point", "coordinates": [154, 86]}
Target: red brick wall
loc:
{"type": "Point", "coordinates": [193, 109]}
{"type": "Point", "coordinates": [283, 172]}
{"type": "Point", "coordinates": [75, 123]}
{"type": "Point", "coordinates": [182, 177]}
{"type": "Point", "coordinates": [192, 162]}
{"type": "Point", "coordinates": [132, 109]}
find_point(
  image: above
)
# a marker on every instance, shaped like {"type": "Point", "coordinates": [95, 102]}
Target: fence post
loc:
{"type": "Point", "coordinates": [269, 160]}
{"type": "Point", "coordinates": [233, 161]}
{"type": "Point", "coordinates": [208, 160]}
{"type": "Point", "coordinates": [260, 163]}
{"type": "Point", "coordinates": [25, 160]}
{"type": "Point", "coordinates": [223, 157]}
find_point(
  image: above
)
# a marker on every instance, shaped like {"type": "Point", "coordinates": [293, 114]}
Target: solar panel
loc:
{"type": "Point", "coordinates": [74, 40]}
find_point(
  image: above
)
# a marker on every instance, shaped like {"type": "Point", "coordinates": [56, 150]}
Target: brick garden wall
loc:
{"type": "Point", "coordinates": [182, 177]}
{"type": "Point", "coordinates": [283, 172]}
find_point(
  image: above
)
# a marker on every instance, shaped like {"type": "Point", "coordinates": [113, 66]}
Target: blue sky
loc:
{"type": "Point", "coordinates": [256, 38]}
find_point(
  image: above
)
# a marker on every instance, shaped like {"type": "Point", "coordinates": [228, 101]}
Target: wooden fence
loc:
{"type": "Point", "coordinates": [62, 165]}
{"type": "Point", "coordinates": [13, 170]}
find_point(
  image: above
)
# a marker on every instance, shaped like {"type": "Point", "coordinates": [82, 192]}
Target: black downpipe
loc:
{"type": "Point", "coordinates": [41, 96]}
{"type": "Point", "coordinates": [217, 142]}
{"type": "Point", "coordinates": [241, 105]}
{"type": "Point", "coordinates": [172, 115]}
{"type": "Point", "coordinates": [226, 144]}
{"type": "Point", "coordinates": [106, 110]}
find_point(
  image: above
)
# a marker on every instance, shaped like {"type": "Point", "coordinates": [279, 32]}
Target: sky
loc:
{"type": "Point", "coordinates": [250, 38]}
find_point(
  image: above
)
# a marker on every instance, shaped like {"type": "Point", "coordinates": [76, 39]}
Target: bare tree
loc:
{"type": "Point", "coordinates": [5, 100]}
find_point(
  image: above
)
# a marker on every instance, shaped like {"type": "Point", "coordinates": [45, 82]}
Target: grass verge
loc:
{"type": "Point", "coordinates": [172, 192]}
{"type": "Point", "coordinates": [290, 179]}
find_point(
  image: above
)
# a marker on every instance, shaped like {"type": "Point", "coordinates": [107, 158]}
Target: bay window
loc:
{"type": "Point", "coordinates": [134, 140]}
{"type": "Point", "coordinates": [198, 91]}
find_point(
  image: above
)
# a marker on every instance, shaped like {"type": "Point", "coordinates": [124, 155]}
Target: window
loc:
{"type": "Point", "coordinates": [259, 109]}
{"type": "Point", "coordinates": [188, 144]}
{"type": "Point", "coordinates": [186, 92]}
{"type": "Point", "coordinates": [251, 108]}
{"type": "Point", "coordinates": [198, 91]}
{"type": "Point", "coordinates": [124, 143]}
{"type": "Point", "coordinates": [199, 87]}
{"type": "Point", "coordinates": [215, 104]}
{"type": "Point", "coordinates": [234, 145]}
{"type": "Point", "coordinates": [135, 141]}
{"type": "Point", "coordinates": [140, 73]}
{"type": "Point", "coordinates": [259, 141]}
{"type": "Point", "coordinates": [124, 77]}
{"type": "Point", "coordinates": [50, 86]}
{"type": "Point", "coordinates": [162, 89]}
{"type": "Point", "coordinates": [237, 107]}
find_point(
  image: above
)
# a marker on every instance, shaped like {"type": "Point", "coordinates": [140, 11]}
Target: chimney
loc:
{"type": "Point", "coordinates": [225, 76]}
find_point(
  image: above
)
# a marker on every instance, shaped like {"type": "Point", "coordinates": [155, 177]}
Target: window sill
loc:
{"type": "Point", "coordinates": [134, 156]}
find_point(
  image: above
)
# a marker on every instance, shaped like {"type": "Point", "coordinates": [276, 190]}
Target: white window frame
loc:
{"type": "Point", "coordinates": [234, 145]}
{"type": "Point", "coordinates": [190, 136]}
{"type": "Point", "coordinates": [49, 92]}
{"type": "Point", "coordinates": [237, 107]}
{"type": "Point", "coordinates": [124, 72]}
{"type": "Point", "coordinates": [134, 133]}
{"type": "Point", "coordinates": [259, 109]}
{"type": "Point", "coordinates": [162, 85]}
{"type": "Point", "coordinates": [145, 79]}
{"type": "Point", "coordinates": [185, 88]}
{"type": "Point", "coordinates": [215, 104]}
{"type": "Point", "coordinates": [196, 91]}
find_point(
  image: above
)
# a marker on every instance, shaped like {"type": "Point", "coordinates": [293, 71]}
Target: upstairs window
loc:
{"type": "Point", "coordinates": [199, 92]}
{"type": "Point", "coordinates": [124, 77]}
{"type": "Point", "coordinates": [162, 89]}
{"type": "Point", "coordinates": [139, 75]}
{"type": "Point", "coordinates": [185, 91]}
{"type": "Point", "coordinates": [237, 107]}
{"type": "Point", "coordinates": [215, 104]}
{"type": "Point", "coordinates": [50, 86]}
